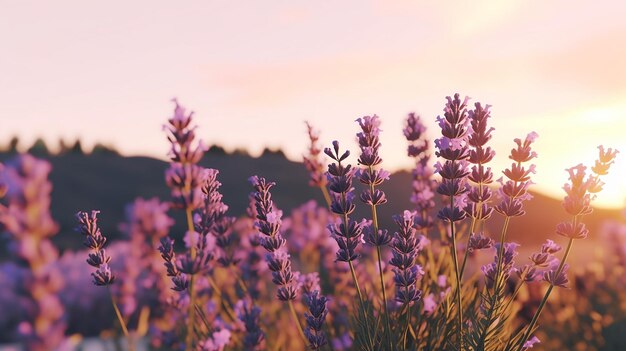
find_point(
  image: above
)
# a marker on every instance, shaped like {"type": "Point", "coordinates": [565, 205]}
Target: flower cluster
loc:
{"type": "Point", "coordinates": [146, 223]}
{"type": "Point", "coordinates": [180, 280]}
{"type": "Point", "coordinates": [268, 223]}
{"type": "Point", "coordinates": [250, 316]}
{"type": "Point", "coordinates": [406, 246]}
{"type": "Point", "coordinates": [479, 195]}
{"type": "Point", "coordinates": [347, 233]}
{"type": "Point", "coordinates": [515, 190]}
{"type": "Point", "coordinates": [423, 185]}
{"type": "Point", "coordinates": [315, 320]}
{"type": "Point", "coordinates": [29, 225]}
{"type": "Point", "coordinates": [312, 161]}
{"type": "Point", "coordinates": [210, 218]}
{"type": "Point", "coordinates": [452, 147]}
{"type": "Point", "coordinates": [184, 177]}
{"type": "Point", "coordinates": [94, 240]}
{"type": "Point", "coordinates": [508, 252]}
{"type": "Point", "coordinates": [542, 260]}
{"type": "Point", "coordinates": [372, 177]}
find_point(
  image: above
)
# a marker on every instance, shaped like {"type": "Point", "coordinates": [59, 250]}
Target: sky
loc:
{"type": "Point", "coordinates": [253, 72]}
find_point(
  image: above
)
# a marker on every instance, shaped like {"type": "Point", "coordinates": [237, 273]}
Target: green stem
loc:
{"type": "Point", "coordinates": [297, 321]}
{"type": "Point", "coordinates": [192, 293]}
{"type": "Point", "coordinates": [466, 254]}
{"type": "Point", "coordinates": [362, 303]}
{"type": "Point", "coordinates": [458, 287]}
{"type": "Point", "coordinates": [326, 195]}
{"type": "Point", "coordinates": [408, 325]}
{"type": "Point", "coordinates": [225, 303]}
{"type": "Point", "coordinates": [131, 345]}
{"type": "Point", "coordinates": [380, 265]}
{"type": "Point", "coordinates": [354, 278]}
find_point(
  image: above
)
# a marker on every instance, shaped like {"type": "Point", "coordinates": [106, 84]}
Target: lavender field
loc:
{"type": "Point", "coordinates": [377, 175]}
{"type": "Point", "coordinates": [320, 277]}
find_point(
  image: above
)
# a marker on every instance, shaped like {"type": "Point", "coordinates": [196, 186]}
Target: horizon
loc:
{"type": "Point", "coordinates": [56, 151]}
{"type": "Point", "coordinates": [106, 73]}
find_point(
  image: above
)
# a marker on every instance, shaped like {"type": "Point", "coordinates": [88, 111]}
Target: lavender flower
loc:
{"type": "Point", "coordinates": [27, 221]}
{"type": "Point", "coordinates": [94, 240]}
{"type": "Point", "coordinates": [315, 320]}
{"type": "Point", "coordinates": [250, 315]}
{"type": "Point", "coordinates": [211, 218]}
{"type": "Point", "coordinates": [184, 177]}
{"type": "Point", "coordinates": [423, 185]}
{"type": "Point", "coordinates": [531, 343]}
{"type": "Point", "coordinates": [217, 341]}
{"type": "Point", "coordinates": [268, 223]}
{"type": "Point", "coordinates": [453, 149]}
{"type": "Point", "coordinates": [557, 277]}
{"type": "Point", "coordinates": [509, 252]}
{"type": "Point", "coordinates": [479, 195]}
{"type": "Point", "coordinates": [203, 246]}
{"type": "Point", "coordinates": [406, 247]}
{"type": "Point", "coordinates": [540, 260]}
{"type": "Point", "coordinates": [147, 222]}
{"type": "Point", "coordinates": [369, 143]}
{"type": "Point", "coordinates": [312, 161]}
{"type": "Point", "coordinates": [180, 280]}
{"type": "Point", "coordinates": [479, 242]}
{"type": "Point", "coordinates": [515, 190]}
{"type": "Point", "coordinates": [348, 233]}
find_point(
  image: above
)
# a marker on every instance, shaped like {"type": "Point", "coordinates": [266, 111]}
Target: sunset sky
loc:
{"type": "Point", "coordinates": [253, 71]}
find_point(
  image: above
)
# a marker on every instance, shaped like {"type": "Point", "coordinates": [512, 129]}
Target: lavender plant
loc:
{"type": "Point", "coordinates": [215, 291]}
{"type": "Point", "coordinates": [27, 221]}
{"type": "Point", "coordinates": [98, 258]}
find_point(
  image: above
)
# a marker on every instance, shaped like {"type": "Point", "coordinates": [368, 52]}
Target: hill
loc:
{"type": "Point", "coordinates": [107, 181]}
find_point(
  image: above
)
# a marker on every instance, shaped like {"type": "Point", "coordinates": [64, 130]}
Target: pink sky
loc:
{"type": "Point", "coordinates": [254, 71]}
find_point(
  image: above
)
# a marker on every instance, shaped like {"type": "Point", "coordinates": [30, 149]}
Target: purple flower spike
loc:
{"type": "Point", "coordinates": [348, 233]}
{"type": "Point", "coordinates": [184, 177]}
{"type": "Point", "coordinates": [312, 161]}
{"type": "Point", "coordinates": [479, 242]}
{"type": "Point", "coordinates": [406, 246]}
{"type": "Point", "coordinates": [211, 219]}
{"type": "Point", "coordinates": [250, 315]}
{"type": "Point", "coordinates": [26, 222]}
{"type": "Point", "coordinates": [268, 222]}
{"type": "Point", "coordinates": [423, 185]}
{"type": "Point", "coordinates": [515, 190]}
{"type": "Point", "coordinates": [479, 155]}
{"type": "Point", "coordinates": [453, 148]}
{"type": "Point", "coordinates": [94, 240]}
{"type": "Point", "coordinates": [180, 280]}
{"type": "Point", "coordinates": [506, 263]}
{"type": "Point", "coordinates": [557, 280]}
{"type": "Point", "coordinates": [316, 304]}
{"type": "Point", "coordinates": [530, 343]}
{"type": "Point", "coordinates": [369, 143]}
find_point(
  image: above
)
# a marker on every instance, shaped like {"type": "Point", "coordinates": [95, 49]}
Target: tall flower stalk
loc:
{"type": "Point", "coordinates": [348, 232]}
{"type": "Point", "coordinates": [580, 191]}
{"type": "Point", "coordinates": [316, 304]}
{"type": "Point", "coordinates": [184, 177]}
{"type": "Point", "coordinates": [372, 177]}
{"type": "Point", "coordinates": [512, 194]}
{"type": "Point", "coordinates": [452, 147]}
{"type": "Point", "coordinates": [98, 258]}
{"type": "Point", "coordinates": [278, 260]}
{"type": "Point", "coordinates": [479, 194]}
{"type": "Point", "coordinates": [29, 225]}
{"type": "Point", "coordinates": [422, 185]}
{"type": "Point", "coordinates": [314, 164]}
{"type": "Point", "coordinates": [406, 246]}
